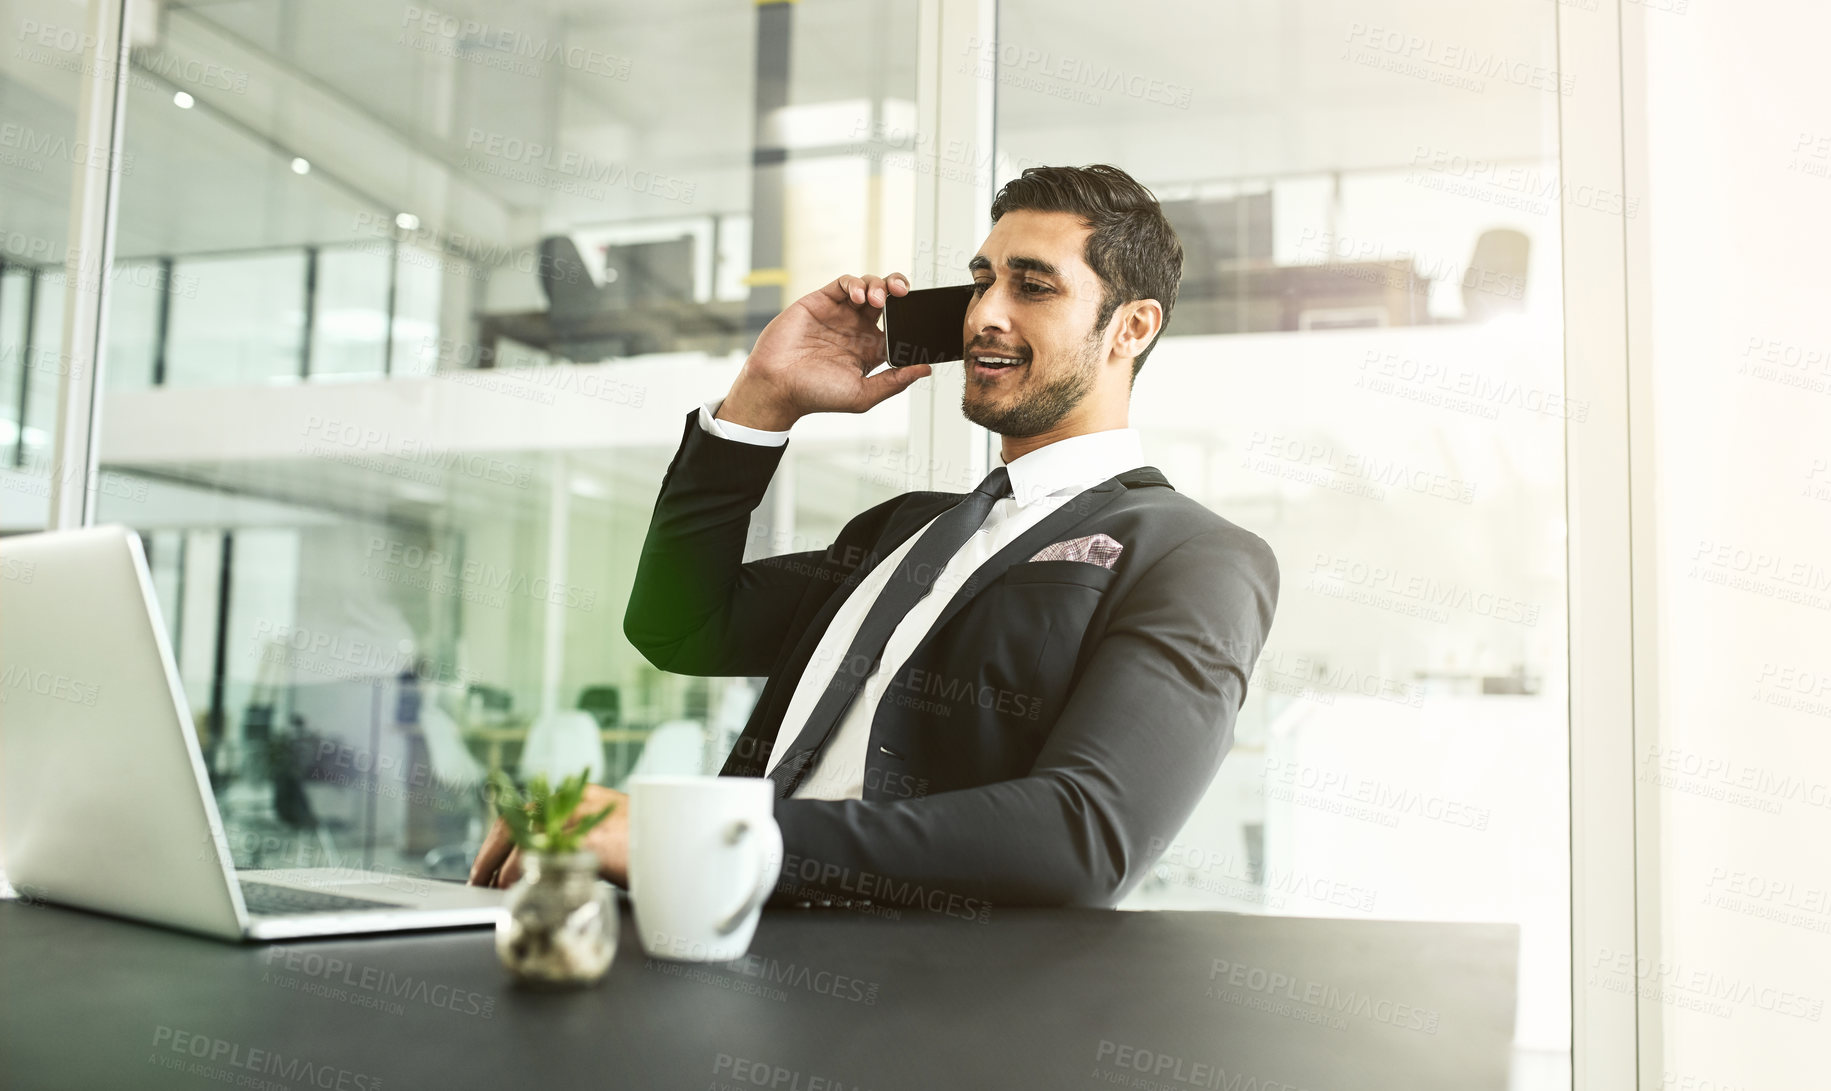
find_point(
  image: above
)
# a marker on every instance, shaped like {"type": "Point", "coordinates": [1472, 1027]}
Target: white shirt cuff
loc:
{"type": "Point", "coordinates": [725, 429]}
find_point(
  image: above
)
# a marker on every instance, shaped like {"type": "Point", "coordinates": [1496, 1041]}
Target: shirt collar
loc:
{"type": "Point", "coordinates": [1072, 465]}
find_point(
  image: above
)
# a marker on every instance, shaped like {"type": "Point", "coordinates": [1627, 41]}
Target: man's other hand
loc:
{"type": "Point", "coordinates": [814, 356]}
{"type": "Point", "coordinates": [498, 862]}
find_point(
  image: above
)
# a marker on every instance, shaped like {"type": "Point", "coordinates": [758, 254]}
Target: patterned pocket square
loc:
{"type": "Point", "coordinates": [1097, 549]}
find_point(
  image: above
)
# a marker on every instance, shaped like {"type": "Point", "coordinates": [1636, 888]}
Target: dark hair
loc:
{"type": "Point", "coordinates": [1133, 249]}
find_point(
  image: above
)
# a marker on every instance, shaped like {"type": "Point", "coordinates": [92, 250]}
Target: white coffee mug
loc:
{"type": "Point", "coordinates": [704, 854]}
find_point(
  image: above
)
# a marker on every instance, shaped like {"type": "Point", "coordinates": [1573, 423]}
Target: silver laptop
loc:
{"type": "Point", "coordinates": [105, 803]}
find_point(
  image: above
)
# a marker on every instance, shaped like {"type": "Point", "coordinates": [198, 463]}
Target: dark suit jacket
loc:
{"type": "Point", "coordinates": [1046, 740]}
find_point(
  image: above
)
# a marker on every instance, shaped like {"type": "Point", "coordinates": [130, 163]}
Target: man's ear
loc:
{"type": "Point", "coordinates": [1138, 323]}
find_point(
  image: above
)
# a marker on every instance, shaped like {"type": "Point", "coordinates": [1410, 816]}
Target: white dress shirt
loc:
{"type": "Point", "coordinates": [1041, 482]}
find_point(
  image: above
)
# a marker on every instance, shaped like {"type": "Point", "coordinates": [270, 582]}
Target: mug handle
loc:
{"type": "Point", "coordinates": [768, 855]}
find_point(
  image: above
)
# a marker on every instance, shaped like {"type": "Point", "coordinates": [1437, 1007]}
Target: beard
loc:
{"type": "Point", "coordinates": [1036, 410]}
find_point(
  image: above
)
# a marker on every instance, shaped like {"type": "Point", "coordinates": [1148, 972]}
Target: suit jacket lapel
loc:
{"type": "Point", "coordinates": [1070, 516]}
{"type": "Point", "coordinates": [902, 527]}
{"type": "Point", "coordinates": [1057, 525]}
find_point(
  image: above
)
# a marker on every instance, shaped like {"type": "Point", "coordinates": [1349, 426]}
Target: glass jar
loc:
{"type": "Point", "coordinates": [559, 925]}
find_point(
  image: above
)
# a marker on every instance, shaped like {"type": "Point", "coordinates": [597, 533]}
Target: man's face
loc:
{"type": "Point", "coordinates": [1035, 301]}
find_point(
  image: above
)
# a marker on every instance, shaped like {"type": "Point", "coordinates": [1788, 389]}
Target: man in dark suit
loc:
{"type": "Point", "coordinates": [1012, 697]}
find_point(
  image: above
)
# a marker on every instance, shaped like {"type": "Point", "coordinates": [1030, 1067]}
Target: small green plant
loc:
{"type": "Point", "coordinates": [537, 821]}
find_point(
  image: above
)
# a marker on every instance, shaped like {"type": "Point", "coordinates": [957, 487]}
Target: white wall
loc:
{"type": "Point", "coordinates": [1738, 146]}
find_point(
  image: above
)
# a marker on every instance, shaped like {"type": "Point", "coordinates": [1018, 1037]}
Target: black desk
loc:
{"type": "Point", "coordinates": [1030, 999]}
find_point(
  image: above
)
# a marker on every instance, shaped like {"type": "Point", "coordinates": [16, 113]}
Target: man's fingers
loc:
{"type": "Point", "coordinates": [893, 380]}
{"type": "Point", "coordinates": [496, 846]}
{"type": "Point", "coordinates": [869, 291]}
{"type": "Point", "coordinates": [511, 870]}
{"type": "Point", "coordinates": [876, 291]}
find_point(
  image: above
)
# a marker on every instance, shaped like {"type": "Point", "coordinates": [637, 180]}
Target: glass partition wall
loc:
{"type": "Point", "coordinates": [40, 151]}
{"type": "Point", "coordinates": [1364, 366]}
{"type": "Point", "coordinates": [423, 298]}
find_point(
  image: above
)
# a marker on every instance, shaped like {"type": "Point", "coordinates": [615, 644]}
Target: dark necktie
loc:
{"type": "Point", "coordinates": [911, 581]}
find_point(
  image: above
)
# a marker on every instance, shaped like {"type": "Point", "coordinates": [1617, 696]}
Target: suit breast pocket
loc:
{"type": "Point", "coordinates": [978, 701]}
{"type": "Point", "coordinates": [1061, 598]}
{"type": "Point", "coordinates": [1081, 573]}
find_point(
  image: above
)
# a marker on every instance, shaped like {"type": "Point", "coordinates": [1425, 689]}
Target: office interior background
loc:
{"type": "Point", "coordinates": [1503, 323]}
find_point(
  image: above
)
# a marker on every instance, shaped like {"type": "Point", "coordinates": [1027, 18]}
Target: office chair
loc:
{"type": "Point", "coordinates": [575, 302]}
{"type": "Point", "coordinates": [605, 703]}
{"type": "Point", "coordinates": [1496, 278]}
{"type": "Point", "coordinates": [560, 744]}
{"type": "Point", "coordinates": [450, 760]}
{"type": "Point", "coordinates": [674, 748]}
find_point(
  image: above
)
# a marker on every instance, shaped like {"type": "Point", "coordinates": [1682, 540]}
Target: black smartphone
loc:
{"type": "Point", "coordinates": [926, 326]}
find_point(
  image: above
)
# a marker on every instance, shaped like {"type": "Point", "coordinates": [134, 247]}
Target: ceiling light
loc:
{"type": "Point", "coordinates": [300, 166]}
{"type": "Point", "coordinates": [407, 221]}
{"type": "Point", "coordinates": [183, 100]}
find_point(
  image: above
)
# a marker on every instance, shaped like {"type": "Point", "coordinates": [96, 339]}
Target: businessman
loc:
{"type": "Point", "coordinates": [1014, 696]}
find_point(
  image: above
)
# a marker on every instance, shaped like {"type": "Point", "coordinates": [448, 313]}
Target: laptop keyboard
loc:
{"type": "Point", "coordinates": [267, 900]}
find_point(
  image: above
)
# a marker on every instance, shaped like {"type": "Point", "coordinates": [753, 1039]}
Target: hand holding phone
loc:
{"type": "Point", "coordinates": [818, 356]}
